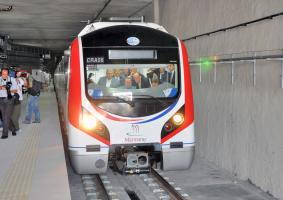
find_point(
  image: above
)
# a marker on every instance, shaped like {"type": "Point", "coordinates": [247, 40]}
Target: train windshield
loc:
{"type": "Point", "coordinates": [130, 81]}
{"type": "Point", "coordinates": [131, 70]}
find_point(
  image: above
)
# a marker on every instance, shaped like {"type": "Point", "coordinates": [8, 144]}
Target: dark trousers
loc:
{"type": "Point", "coordinates": [6, 109]}
{"type": "Point", "coordinates": [15, 117]}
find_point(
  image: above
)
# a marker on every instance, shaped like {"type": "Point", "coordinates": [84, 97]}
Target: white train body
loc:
{"type": "Point", "coordinates": [134, 125]}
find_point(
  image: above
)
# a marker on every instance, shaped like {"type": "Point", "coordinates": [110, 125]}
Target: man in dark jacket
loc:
{"type": "Point", "coordinates": [171, 74]}
{"type": "Point", "coordinates": [163, 75]}
{"type": "Point", "coordinates": [141, 81]}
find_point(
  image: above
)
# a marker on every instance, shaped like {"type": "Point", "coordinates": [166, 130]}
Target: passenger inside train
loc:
{"type": "Point", "coordinates": [157, 80]}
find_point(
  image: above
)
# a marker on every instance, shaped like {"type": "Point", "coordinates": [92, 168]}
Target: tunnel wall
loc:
{"type": "Point", "coordinates": [238, 126]}
{"type": "Point", "coordinates": [147, 12]}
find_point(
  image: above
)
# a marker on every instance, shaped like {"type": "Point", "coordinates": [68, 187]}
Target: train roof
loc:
{"type": "Point", "coordinates": [99, 25]}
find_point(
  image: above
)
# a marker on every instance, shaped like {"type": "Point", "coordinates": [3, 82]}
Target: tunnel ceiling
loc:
{"type": "Point", "coordinates": [54, 24]}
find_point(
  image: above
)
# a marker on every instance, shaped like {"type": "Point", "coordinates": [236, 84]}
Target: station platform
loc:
{"type": "Point", "coordinates": [32, 164]}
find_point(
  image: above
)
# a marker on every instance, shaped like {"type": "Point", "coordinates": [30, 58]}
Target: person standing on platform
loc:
{"type": "Point", "coordinates": [17, 104]}
{"type": "Point", "coordinates": [34, 87]}
{"type": "Point", "coordinates": [1, 123]}
{"type": "Point", "coordinates": [8, 87]}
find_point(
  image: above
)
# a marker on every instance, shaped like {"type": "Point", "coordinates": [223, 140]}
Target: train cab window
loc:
{"type": "Point", "coordinates": [131, 70]}
{"type": "Point", "coordinates": [130, 81]}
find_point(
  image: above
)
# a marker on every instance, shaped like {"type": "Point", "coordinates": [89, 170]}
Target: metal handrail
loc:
{"type": "Point", "coordinates": [270, 17]}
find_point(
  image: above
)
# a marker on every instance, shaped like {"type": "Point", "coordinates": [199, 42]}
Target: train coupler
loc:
{"type": "Point", "coordinates": [137, 163]}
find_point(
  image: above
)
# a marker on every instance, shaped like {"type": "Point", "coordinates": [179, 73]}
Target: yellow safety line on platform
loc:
{"type": "Point", "coordinates": [16, 184]}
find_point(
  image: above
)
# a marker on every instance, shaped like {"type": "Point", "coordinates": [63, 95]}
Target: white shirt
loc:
{"type": "Point", "coordinates": [20, 83]}
{"type": "Point", "coordinates": [108, 82]}
{"type": "Point", "coordinates": [3, 93]}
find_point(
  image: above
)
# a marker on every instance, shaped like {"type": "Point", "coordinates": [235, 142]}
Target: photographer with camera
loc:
{"type": "Point", "coordinates": [18, 98]}
{"type": "Point", "coordinates": [8, 87]}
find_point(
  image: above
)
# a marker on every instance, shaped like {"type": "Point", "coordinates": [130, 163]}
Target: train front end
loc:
{"type": "Point", "coordinates": [130, 103]}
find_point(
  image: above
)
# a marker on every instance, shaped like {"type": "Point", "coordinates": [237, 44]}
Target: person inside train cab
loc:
{"type": "Point", "coordinates": [8, 87]}
{"type": "Point", "coordinates": [125, 72]}
{"type": "Point", "coordinates": [154, 81]}
{"type": "Point", "coordinates": [109, 81]}
{"type": "Point", "coordinates": [128, 83]}
{"type": "Point", "coordinates": [171, 73]}
{"type": "Point", "coordinates": [90, 81]}
{"type": "Point", "coordinates": [133, 71]}
{"type": "Point", "coordinates": [163, 75]}
{"type": "Point", "coordinates": [141, 81]}
{"type": "Point", "coordinates": [89, 78]}
{"type": "Point", "coordinates": [119, 76]}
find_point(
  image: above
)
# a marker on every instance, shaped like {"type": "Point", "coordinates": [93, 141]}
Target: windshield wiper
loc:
{"type": "Point", "coordinates": [163, 104]}
{"type": "Point", "coordinates": [131, 103]}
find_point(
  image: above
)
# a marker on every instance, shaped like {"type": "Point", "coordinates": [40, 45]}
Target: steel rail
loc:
{"type": "Point", "coordinates": [174, 194]}
{"type": "Point", "coordinates": [100, 186]}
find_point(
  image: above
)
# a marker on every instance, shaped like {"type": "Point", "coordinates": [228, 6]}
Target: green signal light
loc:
{"type": "Point", "coordinates": [206, 64]}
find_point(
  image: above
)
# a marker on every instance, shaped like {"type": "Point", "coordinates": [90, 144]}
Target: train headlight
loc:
{"type": "Point", "coordinates": [88, 121]}
{"type": "Point", "coordinates": [178, 119]}
{"type": "Point", "coordinates": [91, 125]}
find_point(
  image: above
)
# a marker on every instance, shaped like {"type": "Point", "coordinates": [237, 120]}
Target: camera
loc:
{"type": "Point", "coordinates": [150, 73]}
{"type": "Point", "coordinates": [8, 87]}
{"type": "Point", "coordinates": [16, 98]}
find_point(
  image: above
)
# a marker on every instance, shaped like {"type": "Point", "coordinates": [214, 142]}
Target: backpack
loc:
{"type": "Point", "coordinates": [35, 89]}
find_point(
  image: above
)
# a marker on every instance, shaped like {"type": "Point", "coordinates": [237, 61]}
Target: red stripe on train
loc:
{"type": "Point", "coordinates": [74, 99]}
{"type": "Point", "coordinates": [189, 105]}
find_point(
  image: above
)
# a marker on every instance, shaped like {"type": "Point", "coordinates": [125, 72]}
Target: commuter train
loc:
{"type": "Point", "coordinates": [126, 92]}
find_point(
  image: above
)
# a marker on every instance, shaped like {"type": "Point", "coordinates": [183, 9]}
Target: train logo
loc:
{"type": "Point", "coordinates": [135, 130]}
{"type": "Point", "coordinates": [133, 41]}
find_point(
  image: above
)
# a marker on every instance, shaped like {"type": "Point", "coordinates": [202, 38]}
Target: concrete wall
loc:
{"type": "Point", "coordinates": [239, 126]}
{"type": "Point", "coordinates": [186, 18]}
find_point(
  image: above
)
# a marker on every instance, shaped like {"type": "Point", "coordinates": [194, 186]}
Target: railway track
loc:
{"type": "Point", "coordinates": [173, 193]}
{"type": "Point", "coordinates": [95, 188]}
{"type": "Point", "coordinates": [112, 185]}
